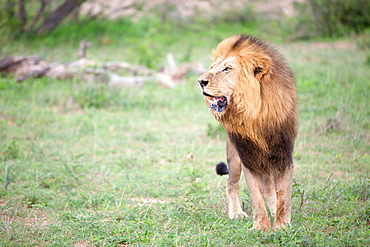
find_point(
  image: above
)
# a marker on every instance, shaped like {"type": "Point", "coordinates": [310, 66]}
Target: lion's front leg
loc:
{"type": "Point", "coordinates": [235, 210]}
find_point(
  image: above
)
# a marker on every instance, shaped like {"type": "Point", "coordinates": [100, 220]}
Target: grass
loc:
{"type": "Point", "coordinates": [135, 167]}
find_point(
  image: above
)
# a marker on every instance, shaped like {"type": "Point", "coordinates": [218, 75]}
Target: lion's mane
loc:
{"type": "Point", "coordinates": [261, 119]}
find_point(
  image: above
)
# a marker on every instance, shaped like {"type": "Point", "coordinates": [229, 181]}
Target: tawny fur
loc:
{"type": "Point", "coordinates": [260, 120]}
{"type": "Point", "coordinates": [261, 103]}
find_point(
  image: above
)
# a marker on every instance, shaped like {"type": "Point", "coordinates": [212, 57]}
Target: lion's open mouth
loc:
{"type": "Point", "coordinates": [217, 103]}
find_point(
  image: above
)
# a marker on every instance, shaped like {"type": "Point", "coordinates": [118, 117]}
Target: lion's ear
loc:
{"type": "Point", "coordinates": [262, 66]}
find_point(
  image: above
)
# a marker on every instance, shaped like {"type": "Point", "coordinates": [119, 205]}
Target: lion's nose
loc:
{"type": "Point", "coordinates": [203, 83]}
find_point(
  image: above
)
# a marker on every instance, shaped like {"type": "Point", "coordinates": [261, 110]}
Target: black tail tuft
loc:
{"type": "Point", "coordinates": [221, 169]}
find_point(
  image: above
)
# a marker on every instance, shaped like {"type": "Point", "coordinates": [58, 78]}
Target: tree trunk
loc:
{"type": "Point", "coordinates": [22, 15]}
{"type": "Point", "coordinates": [57, 16]}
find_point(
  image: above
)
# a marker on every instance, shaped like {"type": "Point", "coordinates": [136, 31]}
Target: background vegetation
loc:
{"type": "Point", "coordinates": [135, 166]}
{"type": "Point", "coordinates": [332, 18]}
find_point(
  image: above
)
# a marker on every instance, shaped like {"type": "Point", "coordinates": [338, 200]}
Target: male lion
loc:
{"type": "Point", "coordinates": [251, 91]}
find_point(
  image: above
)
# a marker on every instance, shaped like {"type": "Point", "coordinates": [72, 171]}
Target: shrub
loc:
{"type": "Point", "coordinates": [332, 18]}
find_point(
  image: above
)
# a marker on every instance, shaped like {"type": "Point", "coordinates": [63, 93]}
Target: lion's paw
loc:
{"type": "Point", "coordinates": [237, 215]}
{"type": "Point", "coordinates": [262, 226]}
{"type": "Point", "coordinates": [277, 225]}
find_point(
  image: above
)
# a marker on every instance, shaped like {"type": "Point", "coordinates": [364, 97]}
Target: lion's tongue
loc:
{"type": "Point", "coordinates": [219, 99]}
{"type": "Point", "coordinates": [218, 104]}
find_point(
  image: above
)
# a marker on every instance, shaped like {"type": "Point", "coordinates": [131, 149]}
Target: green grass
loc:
{"type": "Point", "coordinates": [135, 167]}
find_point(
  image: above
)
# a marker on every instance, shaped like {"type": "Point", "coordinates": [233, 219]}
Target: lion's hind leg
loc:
{"type": "Point", "coordinates": [235, 210]}
{"type": "Point", "coordinates": [284, 193]}
{"type": "Point", "coordinates": [269, 190]}
{"type": "Point", "coordinates": [255, 183]}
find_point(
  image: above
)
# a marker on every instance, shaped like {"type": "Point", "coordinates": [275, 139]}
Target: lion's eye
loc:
{"type": "Point", "coordinates": [226, 69]}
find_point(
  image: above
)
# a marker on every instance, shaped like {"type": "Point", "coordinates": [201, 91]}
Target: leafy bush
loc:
{"type": "Point", "coordinates": [332, 18]}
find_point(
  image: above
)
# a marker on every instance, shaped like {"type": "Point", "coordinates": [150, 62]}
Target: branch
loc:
{"type": "Point", "coordinates": [38, 15]}
{"type": "Point", "coordinates": [35, 73]}
{"type": "Point", "coordinates": [82, 50]}
{"type": "Point", "coordinates": [8, 62]}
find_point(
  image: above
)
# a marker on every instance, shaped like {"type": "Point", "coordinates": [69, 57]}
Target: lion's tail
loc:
{"type": "Point", "coordinates": [221, 169]}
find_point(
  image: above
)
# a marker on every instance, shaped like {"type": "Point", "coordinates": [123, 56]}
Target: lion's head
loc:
{"type": "Point", "coordinates": [237, 66]}
{"type": "Point", "coordinates": [248, 86]}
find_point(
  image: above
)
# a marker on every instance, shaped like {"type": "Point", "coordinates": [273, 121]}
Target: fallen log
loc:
{"type": "Point", "coordinates": [23, 68]}
{"type": "Point", "coordinates": [7, 62]}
